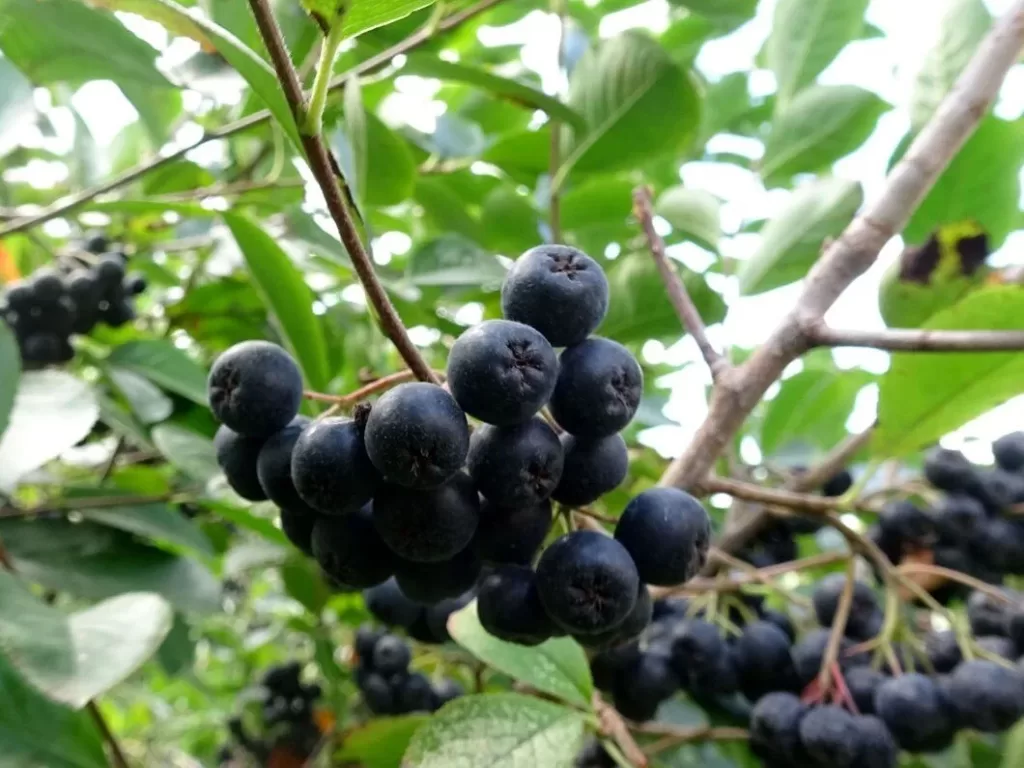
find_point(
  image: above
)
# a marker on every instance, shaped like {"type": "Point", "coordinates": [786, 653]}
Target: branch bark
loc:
{"type": "Point", "coordinates": [375, 62]}
{"type": "Point", "coordinates": [915, 340]}
{"type": "Point", "coordinates": [322, 167]}
{"type": "Point", "coordinates": [739, 390]}
{"type": "Point", "coordinates": [689, 316]}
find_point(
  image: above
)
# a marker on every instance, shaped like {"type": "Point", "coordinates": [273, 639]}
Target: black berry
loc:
{"type": "Point", "coordinates": [511, 535]}
{"type": "Point", "coordinates": [592, 468]}
{"type": "Point", "coordinates": [237, 455]}
{"type": "Point", "coordinates": [349, 549]}
{"type": "Point", "coordinates": [510, 608]}
{"type": "Point", "coordinates": [599, 388]}
{"type": "Point", "coordinates": [427, 526]}
{"type": "Point", "coordinates": [255, 388]}
{"type": "Point", "coordinates": [667, 532]}
{"type": "Point", "coordinates": [518, 465]}
{"type": "Point", "coordinates": [330, 468]}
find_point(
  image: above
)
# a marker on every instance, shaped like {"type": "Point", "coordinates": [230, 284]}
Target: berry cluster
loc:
{"type": "Point", "coordinates": [288, 725]}
{"type": "Point", "coordinates": [47, 308]}
{"type": "Point", "coordinates": [405, 490]}
{"type": "Point", "coordinates": [384, 679]}
{"type": "Point", "coordinates": [873, 712]}
{"type": "Point", "coordinates": [424, 623]}
{"type": "Point", "coordinates": [970, 528]}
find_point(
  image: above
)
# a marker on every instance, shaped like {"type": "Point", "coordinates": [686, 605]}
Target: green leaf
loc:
{"type": "Point", "coordinates": [36, 733]}
{"type": "Point", "coordinates": [73, 659]}
{"type": "Point", "coordinates": [729, 13]}
{"type": "Point", "coordinates": [165, 365]}
{"type": "Point", "coordinates": [811, 408]}
{"type": "Point", "coordinates": [445, 209]}
{"type": "Point", "coordinates": [186, 22]}
{"type": "Point", "coordinates": [806, 36]}
{"type": "Point", "coordinates": [189, 451]}
{"type": "Point", "coordinates": [304, 581]}
{"type": "Point", "coordinates": [159, 522]}
{"type": "Point", "coordinates": [17, 108]}
{"type": "Point", "coordinates": [792, 240]}
{"type": "Point", "coordinates": [636, 102]}
{"type": "Point", "coordinates": [177, 652]}
{"type": "Point", "coordinates": [1014, 747]}
{"type": "Point", "coordinates": [525, 155]}
{"type": "Point", "coordinates": [52, 412]}
{"type": "Point", "coordinates": [355, 131]}
{"type": "Point", "coordinates": [509, 224]}
{"type": "Point", "coordinates": [981, 184]}
{"type": "Point", "coordinates": [638, 307]}
{"type": "Point", "coordinates": [597, 201]}
{"type": "Point", "coordinates": [364, 15]}
{"type": "Point", "coordinates": [10, 372]}
{"type": "Point", "coordinates": [244, 519]}
{"type": "Point", "coordinates": [960, 385]}
{"type": "Point", "coordinates": [429, 65]}
{"type": "Point", "coordinates": [124, 566]}
{"type": "Point", "coordinates": [821, 125]}
{"type": "Point", "coordinates": [963, 25]}
{"type": "Point", "coordinates": [389, 171]}
{"type": "Point", "coordinates": [504, 730]}
{"type": "Point", "coordinates": [451, 261]}
{"type": "Point", "coordinates": [693, 212]}
{"type": "Point", "coordinates": [147, 401]}
{"type": "Point", "coordinates": [558, 666]}
{"type": "Point", "coordinates": [381, 742]}
{"type": "Point", "coordinates": [286, 294]}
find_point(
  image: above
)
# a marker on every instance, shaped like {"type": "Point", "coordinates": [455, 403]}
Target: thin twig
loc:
{"type": "Point", "coordinates": [322, 168]}
{"type": "Point", "coordinates": [555, 155]}
{"type": "Point", "coordinates": [948, 573]}
{"type": "Point", "coordinates": [689, 316]}
{"type": "Point", "coordinates": [614, 726]}
{"type": "Point", "coordinates": [838, 631]}
{"type": "Point", "coordinates": [739, 390]}
{"type": "Point", "coordinates": [108, 736]}
{"type": "Point", "coordinates": [705, 585]}
{"type": "Point", "coordinates": [777, 496]}
{"type": "Point", "coordinates": [378, 60]}
{"type": "Point", "coordinates": [374, 387]}
{"type": "Point", "coordinates": [673, 735]}
{"type": "Point", "coordinates": [918, 340]}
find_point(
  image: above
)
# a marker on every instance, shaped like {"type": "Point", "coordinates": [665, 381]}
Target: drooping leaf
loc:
{"type": "Point", "coordinates": [37, 733]}
{"type": "Point", "coordinates": [52, 411]}
{"type": "Point", "coordinates": [792, 240]}
{"type": "Point", "coordinates": [73, 659]}
{"type": "Point", "coordinates": [165, 365]}
{"type": "Point", "coordinates": [811, 408]}
{"type": "Point", "coordinates": [558, 666]}
{"type": "Point", "coordinates": [637, 104]}
{"type": "Point", "coordinates": [188, 22]}
{"type": "Point", "coordinates": [960, 385]}
{"type": "Point", "coordinates": [428, 65]}
{"type": "Point", "coordinates": [245, 519]}
{"type": "Point", "coordinates": [509, 224]}
{"type": "Point", "coordinates": [177, 652]}
{"type": "Point", "coordinates": [159, 522]}
{"type": "Point", "coordinates": [381, 742]}
{"type": "Point", "coordinates": [286, 294]}
{"type": "Point", "coordinates": [693, 212]}
{"type": "Point", "coordinates": [524, 155]}
{"type": "Point", "coordinates": [819, 126]}
{"type": "Point", "coordinates": [355, 132]}
{"type": "Point", "coordinates": [806, 36]}
{"type": "Point", "coordinates": [504, 730]}
{"type": "Point", "coordinates": [981, 185]}
{"type": "Point", "coordinates": [149, 404]}
{"type": "Point", "coordinates": [638, 307]}
{"type": "Point", "coordinates": [189, 451]}
{"type": "Point", "coordinates": [10, 371]}
{"type": "Point", "coordinates": [452, 260]}
{"type": "Point", "coordinates": [964, 23]}
{"type": "Point", "coordinates": [597, 201]}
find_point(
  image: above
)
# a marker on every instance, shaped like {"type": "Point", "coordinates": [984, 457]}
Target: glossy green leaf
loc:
{"type": "Point", "coordinates": [428, 65]}
{"type": "Point", "coordinates": [1014, 754]}
{"type": "Point", "coordinates": [16, 106]}
{"type": "Point", "coordinates": [792, 240]}
{"type": "Point", "coordinates": [558, 666]}
{"type": "Point", "coordinates": [452, 260]}
{"type": "Point", "coordinates": [355, 132]}
{"type": "Point", "coordinates": [811, 408]}
{"type": "Point", "coordinates": [176, 653]}
{"type": "Point", "coordinates": [364, 15]}
{"type": "Point", "coordinates": [509, 224]}
{"type": "Point", "coordinates": [286, 294]}
{"type": "Point", "coordinates": [637, 104]}
{"type": "Point", "coordinates": [806, 36]}
{"type": "Point", "coordinates": [52, 411]}
{"type": "Point", "coordinates": [597, 201]}
{"type": "Point", "coordinates": [257, 73]}
{"type": "Point", "coordinates": [10, 372]}
{"type": "Point", "coordinates": [73, 659]}
{"type": "Point", "coordinates": [37, 733]}
{"type": "Point", "coordinates": [189, 451]}
{"type": "Point", "coordinates": [963, 25]}
{"type": "Point", "coordinates": [730, 13]}
{"type": "Point", "coordinates": [504, 730]}
{"type": "Point", "coordinates": [165, 365]}
{"type": "Point", "coordinates": [523, 154]}
{"type": "Point", "coordinates": [158, 522]}
{"type": "Point", "coordinates": [694, 213]}
{"type": "Point", "coordinates": [148, 403]}
{"type": "Point", "coordinates": [639, 308]}
{"type": "Point", "coordinates": [381, 742]}
{"type": "Point", "coordinates": [821, 125]}
{"type": "Point", "coordinates": [960, 385]}
{"type": "Point", "coordinates": [245, 519]}
{"type": "Point", "coordinates": [981, 184]}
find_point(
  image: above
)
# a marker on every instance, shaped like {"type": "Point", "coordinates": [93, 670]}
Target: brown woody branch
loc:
{"type": "Point", "coordinates": [643, 209]}
{"type": "Point", "coordinates": [738, 390]}
{"type": "Point", "coordinates": [915, 340]}
{"type": "Point", "coordinates": [375, 62]}
{"type": "Point", "coordinates": [615, 727]}
{"type": "Point", "coordinates": [322, 167]}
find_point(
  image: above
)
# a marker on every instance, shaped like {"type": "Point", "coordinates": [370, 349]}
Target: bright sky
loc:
{"type": "Point", "coordinates": [884, 65]}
